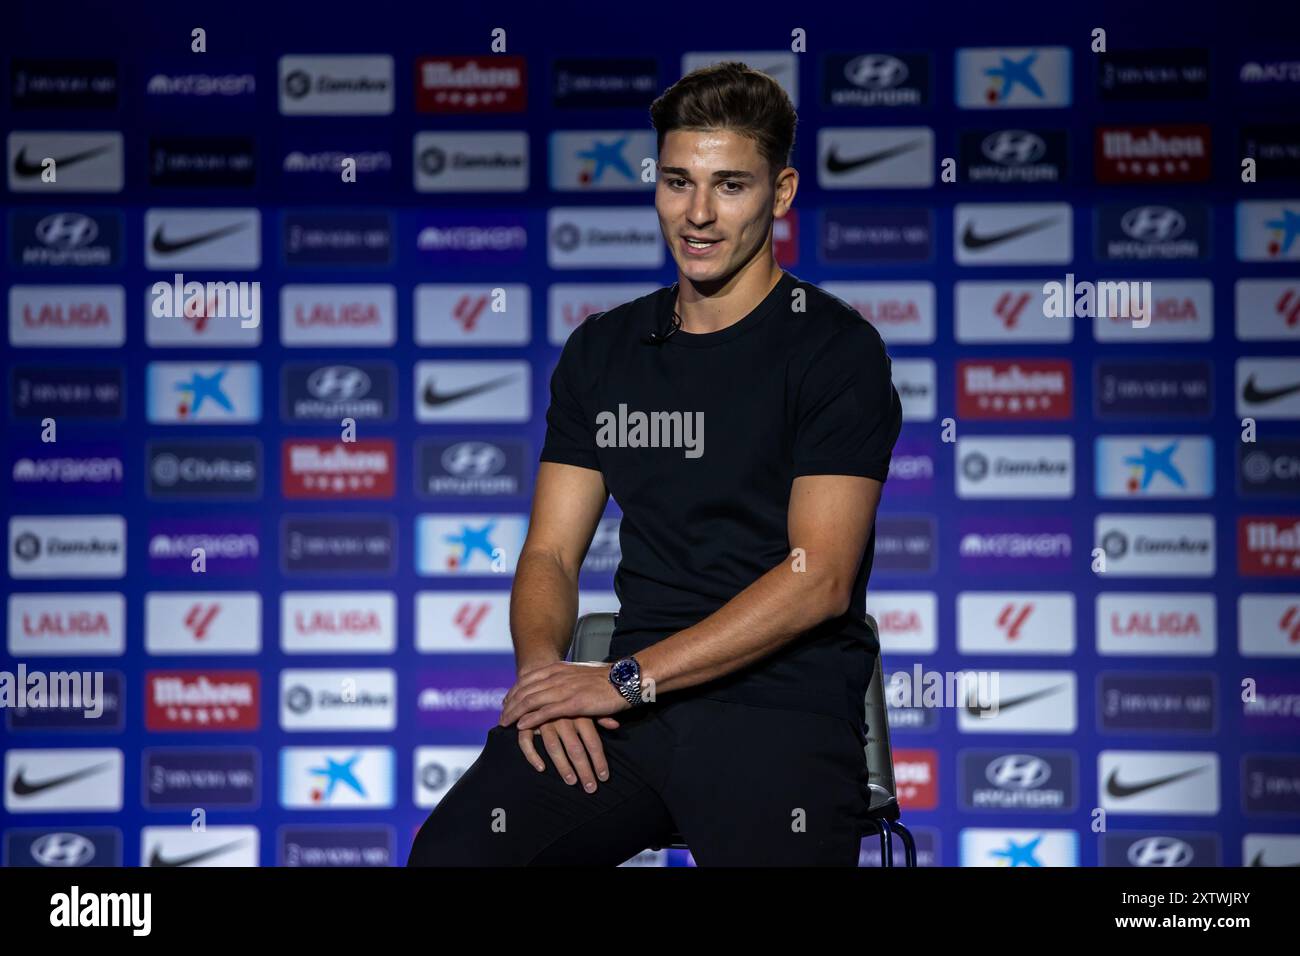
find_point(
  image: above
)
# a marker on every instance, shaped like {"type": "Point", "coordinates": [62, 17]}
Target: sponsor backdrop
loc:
{"type": "Point", "coordinates": [304, 637]}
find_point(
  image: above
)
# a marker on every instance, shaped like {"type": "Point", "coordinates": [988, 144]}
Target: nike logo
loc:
{"type": "Point", "coordinates": [836, 164]}
{"type": "Point", "coordinates": [167, 246]}
{"type": "Point", "coordinates": [1253, 393]}
{"type": "Point", "coordinates": [433, 398]}
{"type": "Point", "coordinates": [25, 168]}
{"type": "Point", "coordinates": [1259, 861]}
{"type": "Point", "coordinates": [975, 710]}
{"type": "Point", "coordinates": [157, 859]}
{"type": "Point", "coordinates": [1117, 789]}
{"type": "Point", "coordinates": [970, 240]}
{"type": "Point", "coordinates": [23, 787]}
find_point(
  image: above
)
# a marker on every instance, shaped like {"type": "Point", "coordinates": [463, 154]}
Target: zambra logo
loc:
{"type": "Point", "coordinates": [651, 430]}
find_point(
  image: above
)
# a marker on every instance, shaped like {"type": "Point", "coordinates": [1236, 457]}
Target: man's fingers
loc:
{"type": "Point", "coordinates": [554, 747]}
{"type": "Point", "coordinates": [530, 752]}
{"type": "Point", "coordinates": [609, 723]}
{"type": "Point", "coordinates": [573, 746]}
{"type": "Point", "coordinates": [591, 738]}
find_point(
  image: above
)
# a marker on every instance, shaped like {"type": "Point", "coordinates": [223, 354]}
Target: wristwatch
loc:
{"type": "Point", "coordinates": [625, 675]}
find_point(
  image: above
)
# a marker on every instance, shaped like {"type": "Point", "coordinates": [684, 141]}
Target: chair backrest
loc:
{"type": "Point", "coordinates": [880, 756]}
{"type": "Point", "coordinates": [591, 637]}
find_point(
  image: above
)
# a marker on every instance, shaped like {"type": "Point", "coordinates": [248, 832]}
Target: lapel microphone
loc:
{"type": "Point", "coordinates": [657, 337]}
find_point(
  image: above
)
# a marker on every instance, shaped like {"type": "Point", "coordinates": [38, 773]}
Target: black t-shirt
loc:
{"type": "Point", "coordinates": [799, 386]}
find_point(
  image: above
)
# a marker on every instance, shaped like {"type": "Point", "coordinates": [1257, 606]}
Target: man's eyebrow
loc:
{"type": "Point", "coordinates": [717, 173]}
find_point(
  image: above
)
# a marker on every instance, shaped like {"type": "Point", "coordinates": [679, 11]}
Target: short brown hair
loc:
{"type": "Point", "coordinates": [733, 96]}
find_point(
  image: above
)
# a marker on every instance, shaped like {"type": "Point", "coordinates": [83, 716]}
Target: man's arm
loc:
{"type": "Point", "coordinates": [829, 520]}
{"type": "Point", "coordinates": [567, 504]}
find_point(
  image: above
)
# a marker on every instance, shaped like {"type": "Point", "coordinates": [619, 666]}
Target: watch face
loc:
{"type": "Point", "coordinates": [623, 672]}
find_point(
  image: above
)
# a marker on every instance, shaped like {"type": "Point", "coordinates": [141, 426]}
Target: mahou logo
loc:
{"type": "Point", "coordinates": [202, 700]}
{"type": "Point", "coordinates": [469, 84]}
{"type": "Point", "coordinates": [916, 775]}
{"type": "Point", "coordinates": [1014, 388]}
{"type": "Point", "coordinates": [336, 469]}
{"type": "Point", "coordinates": [1148, 154]}
{"type": "Point", "coordinates": [1268, 546]}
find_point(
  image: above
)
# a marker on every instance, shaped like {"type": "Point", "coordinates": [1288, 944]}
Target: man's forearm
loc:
{"type": "Point", "coordinates": [774, 610]}
{"type": "Point", "coordinates": [543, 610]}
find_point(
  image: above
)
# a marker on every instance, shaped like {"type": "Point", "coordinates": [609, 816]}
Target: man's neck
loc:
{"type": "Point", "coordinates": [702, 312]}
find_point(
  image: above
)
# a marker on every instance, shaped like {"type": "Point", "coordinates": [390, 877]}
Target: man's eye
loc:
{"type": "Point", "coordinates": [675, 181]}
{"type": "Point", "coordinates": [731, 182]}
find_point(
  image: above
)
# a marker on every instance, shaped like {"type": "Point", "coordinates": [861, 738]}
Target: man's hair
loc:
{"type": "Point", "coordinates": [731, 96]}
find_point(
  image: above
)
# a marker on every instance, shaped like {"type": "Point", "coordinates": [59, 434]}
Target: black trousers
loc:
{"type": "Point", "coordinates": [744, 786]}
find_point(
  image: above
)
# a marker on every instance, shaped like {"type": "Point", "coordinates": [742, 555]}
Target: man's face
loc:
{"type": "Point", "coordinates": [715, 185]}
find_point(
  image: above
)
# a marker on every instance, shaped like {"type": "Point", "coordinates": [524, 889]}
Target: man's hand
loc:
{"type": "Point", "coordinates": [561, 689]}
{"type": "Point", "coordinates": [568, 741]}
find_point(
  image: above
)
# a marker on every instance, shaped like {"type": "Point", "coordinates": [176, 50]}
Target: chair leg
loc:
{"type": "Point", "coordinates": [886, 842]}
{"type": "Point", "coordinates": [909, 844]}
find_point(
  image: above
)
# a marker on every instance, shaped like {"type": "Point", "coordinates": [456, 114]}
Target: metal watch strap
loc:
{"type": "Point", "coordinates": [631, 694]}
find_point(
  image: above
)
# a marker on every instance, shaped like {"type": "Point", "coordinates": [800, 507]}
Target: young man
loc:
{"type": "Point", "coordinates": [744, 422]}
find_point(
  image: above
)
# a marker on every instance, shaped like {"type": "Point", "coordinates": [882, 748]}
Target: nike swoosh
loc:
{"type": "Point", "coordinates": [1253, 393]}
{"type": "Point", "coordinates": [25, 788]}
{"type": "Point", "coordinates": [970, 240]}
{"type": "Point", "coordinates": [157, 859]}
{"type": "Point", "coordinates": [1117, 789]}
{"type": "Point", "coordinates": [26, 168]}
{"type": "Point", "coordinates": [1259, 861]}
{"type": "Point", "coordinates": [975, 710]}
{"type": "Point", "coordinates": [835, 164]}
{"type": "Point", "coordinates": [435, 398]}
{"type": "Point", "coordinates": [165, 246]}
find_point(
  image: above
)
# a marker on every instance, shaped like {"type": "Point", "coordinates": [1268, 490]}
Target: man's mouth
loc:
{"type": "Point", "coordinates": [700, 244]}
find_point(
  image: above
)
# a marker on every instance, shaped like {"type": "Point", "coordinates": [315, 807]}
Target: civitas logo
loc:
{"type": "Point", "coordinates": [200, 301]}
{"type": "Point", "coordinates": [53, 690]}
{"type": "Point", "coordinates": [1121, 299]}
{"type": "Point", "coordinates": [951, 689]}
{"type": "Point", "coordinates": [636, 429]}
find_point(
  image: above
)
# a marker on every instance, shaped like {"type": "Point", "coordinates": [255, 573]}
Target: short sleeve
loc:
{"type": "Point", "coordinates": [847, 413]}
{"type": "Point", "coordinates": [570, 438]}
